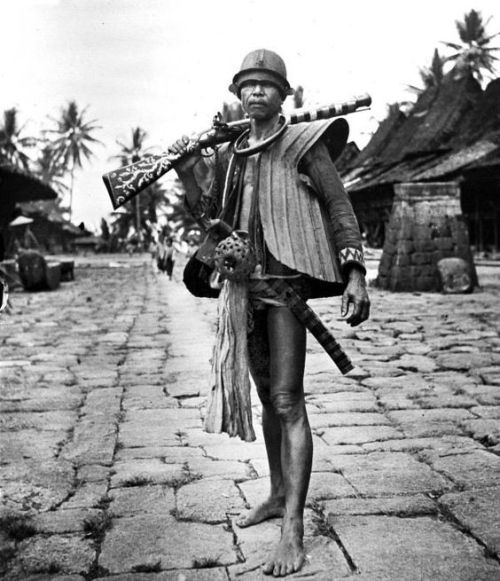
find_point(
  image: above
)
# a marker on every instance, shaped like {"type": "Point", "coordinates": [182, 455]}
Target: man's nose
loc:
{"type": "Point", "coordinates": [258, 89]}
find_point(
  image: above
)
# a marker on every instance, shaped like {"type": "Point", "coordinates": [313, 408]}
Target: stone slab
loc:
{"type": "Point", "coordinates": [358, 434]}
{"type": "Point", "coordinates": [62, 553]}
{"type": "Point", "coordinates": [382, 473]}
{"type": "Point", "coordinates": [430, 415]}
{"type": "Point", "coordinates": [472, 470]}
{"type": "Point", "coordinates": [418, 504]}
{"type": "Point", "coordinates": [446, 444]}
{"type": "Point", "coordinates": [147, 397]}
{"type": "Point", "coordinates": [479, 512]}
{"type": "Point", "coordinates": [325, 485]}
{"type": "Point", "coordinates": [36, 485]}
{"type": "Point", "coordinates": [30, 444]}
{"type": "Point", "coordinates": [140, 500]}
{"type": "Point", "coordinates": [236, 449]}
{"type": "Point", "coordinates": [149, 540]}
{"type": "Point", "coordinates": [86, 495]}
{"type": "Point", "coordinates": [63, 521]}
{"type": "Point", "coordinates": [486, 431]}
{"type": "Point", "coordinates": [145, 471]}
{"type": "Point", "coordinates": [59, 421]}
{"type": "Point", "coordinates": [42, 399]}
{"type": "Point", "coordinates": [385, 548]}
{"type": "Point", "coordinates": [210, 574]}
{"type": "Point", "coordinates": [93, 441]}
{"type": "Point", "coordinates": [329, 419]}
{"type": "Point", "coordinates": [209, 501]}
{"type": "Point", "coordinates": [168, 454]}
{"type": "Point", "coordinates": [212, 468]}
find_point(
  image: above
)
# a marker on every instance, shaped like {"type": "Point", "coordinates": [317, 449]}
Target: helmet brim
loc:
{"type": "Point", "coordinates": [259, 75]}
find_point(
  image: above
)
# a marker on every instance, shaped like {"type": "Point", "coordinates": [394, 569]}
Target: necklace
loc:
{"type": "Point", "coordinates": [246, 151]}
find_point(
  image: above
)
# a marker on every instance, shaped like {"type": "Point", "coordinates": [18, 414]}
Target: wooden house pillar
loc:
{"type": "Point", "coordinates": [426, 224]}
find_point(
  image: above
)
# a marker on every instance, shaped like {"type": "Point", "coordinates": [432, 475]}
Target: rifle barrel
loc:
{"type": "Point", "coordinates": [126, 182]}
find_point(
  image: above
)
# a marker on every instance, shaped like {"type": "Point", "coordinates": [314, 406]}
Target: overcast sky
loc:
{"type": "Point", "coordinates": [165, 65]}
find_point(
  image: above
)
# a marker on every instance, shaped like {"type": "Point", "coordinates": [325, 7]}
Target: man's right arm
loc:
{"type": "Point", "coordinates": [185, 170]}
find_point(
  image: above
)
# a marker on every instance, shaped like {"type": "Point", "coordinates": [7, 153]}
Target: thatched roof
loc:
{"type": "Point", "coordinates": [47, 210]}
{"type": "Point", "coordinates": [451, 127]}
{"type": "Point", "coordinates": [23, 187]}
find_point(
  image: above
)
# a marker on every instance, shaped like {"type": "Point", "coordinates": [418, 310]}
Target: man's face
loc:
{"type": "Point", "coordinates": [261, 100]}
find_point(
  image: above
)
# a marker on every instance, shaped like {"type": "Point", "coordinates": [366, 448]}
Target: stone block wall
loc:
{"type": "Point", "coordinates": [426, 224]}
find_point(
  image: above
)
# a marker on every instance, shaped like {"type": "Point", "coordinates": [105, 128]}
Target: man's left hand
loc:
{"type": "Point", "coordinates": [355, 301]}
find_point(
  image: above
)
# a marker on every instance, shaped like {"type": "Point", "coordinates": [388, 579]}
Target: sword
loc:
{"type": "Point", "coordinates": [280, 289]}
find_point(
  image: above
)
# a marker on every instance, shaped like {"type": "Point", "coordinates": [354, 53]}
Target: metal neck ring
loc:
{"type": "Point", "coordinates": [246, 151]}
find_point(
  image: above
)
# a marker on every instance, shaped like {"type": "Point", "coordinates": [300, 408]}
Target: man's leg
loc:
{"type": "Point", "coordinates": [287, 347]}
{"type": "Point", "coordinates": [258, 348]}
{"type": "Point", "coordinates": [287, 435]}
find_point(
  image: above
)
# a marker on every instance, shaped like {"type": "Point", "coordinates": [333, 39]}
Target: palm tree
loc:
{"type": "Point", "coordinates": [73, 135]}
{"type": "Point", "coordinates": [431, 76]}
{"type": "Point", "coordinates": [473, 52]}
{"type": "Point", "coordinates": [49, 171]}
{"type": "Point", "coordinates": [12, 144]}
{"type": "Point", "coordinates": [135, 151]}
{"type": "Point", "coordinates": [145, 205]}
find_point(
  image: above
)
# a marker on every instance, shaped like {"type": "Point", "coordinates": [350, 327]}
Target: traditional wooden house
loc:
{"type": "Point", "coordinates": [53, 233]}
{"type": "Point", "coordinates": [16, 187]}
{"type": "Point", "coordinates": [452, 134]}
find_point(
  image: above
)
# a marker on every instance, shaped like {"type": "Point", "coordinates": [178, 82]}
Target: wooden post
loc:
{"type": "Point", "coordinates": [426, 225]}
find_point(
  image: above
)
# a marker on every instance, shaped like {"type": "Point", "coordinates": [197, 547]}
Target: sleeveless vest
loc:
{"type": "Point", "coordinates": [295, 226]}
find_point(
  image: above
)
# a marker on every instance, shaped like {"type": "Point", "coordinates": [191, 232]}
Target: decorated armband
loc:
{"type": "Point", "coordinates": [351, 256]}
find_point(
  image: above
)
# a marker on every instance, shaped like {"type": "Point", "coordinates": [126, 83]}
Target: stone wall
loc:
{"type": "Point", "coordinates": [426, 225]}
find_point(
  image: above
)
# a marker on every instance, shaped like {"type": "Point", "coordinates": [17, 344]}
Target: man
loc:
{"type": "Point", "coordinates": [282, 188]}
{"type": "Point", "coordinates": [166, 256]}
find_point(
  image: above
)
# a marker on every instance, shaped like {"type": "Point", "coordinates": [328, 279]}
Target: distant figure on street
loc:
{"type": "Point", "coordinates": [165, 258]}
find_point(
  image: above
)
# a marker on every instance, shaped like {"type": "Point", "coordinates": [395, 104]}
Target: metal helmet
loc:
{"type": "Point", "coordinates": [262, 65]}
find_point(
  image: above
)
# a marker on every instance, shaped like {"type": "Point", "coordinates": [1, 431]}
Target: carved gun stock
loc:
{"type": "Point", "coordinates": [128, 181]}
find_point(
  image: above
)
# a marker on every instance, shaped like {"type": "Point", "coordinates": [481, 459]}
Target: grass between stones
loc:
{"type": "Point", "coordinates": [205, 563]}
{"type": "Point", "coordinates": [148, 567]}
{"type": "Point", "coordinates": [181, 437]}
{"type": "Point", "coordinates": [137, 481]}
{"type": "Point", "coordinates": [96, 526]}
{"type": "Point", "coordinates": [186, 477]}
{"type": "Point", "coordinates": [17, 526]}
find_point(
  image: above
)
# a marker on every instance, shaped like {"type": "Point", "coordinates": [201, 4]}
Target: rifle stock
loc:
{"type": "Point", "coordinates": [126, 182]}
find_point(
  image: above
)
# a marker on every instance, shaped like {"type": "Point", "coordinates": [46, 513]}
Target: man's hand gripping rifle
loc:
{"type": "Point", "coordinates": [125, 183]}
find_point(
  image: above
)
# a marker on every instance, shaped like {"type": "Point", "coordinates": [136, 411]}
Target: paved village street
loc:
{"type": "Point", "coordinates": [106, 472]}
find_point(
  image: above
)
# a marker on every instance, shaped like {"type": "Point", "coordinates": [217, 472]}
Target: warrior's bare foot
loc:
{"type": "Point", "coordinates": [270, 508]}
{"type": "Point", "coordinates": [289, 555]}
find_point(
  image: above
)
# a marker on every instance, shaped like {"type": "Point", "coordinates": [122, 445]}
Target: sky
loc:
{"type": "Point", "coordinates": [165, 65]}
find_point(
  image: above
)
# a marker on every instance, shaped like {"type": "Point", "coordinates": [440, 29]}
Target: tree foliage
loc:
{"type": "Point", "coordinates": [474, 51]}
{"type": "Point", "coordinates": [72, 141]}
{"type": "Point", "coordinates": [430, 76]}
{"type": "Point", "coordinates": [13, 144]}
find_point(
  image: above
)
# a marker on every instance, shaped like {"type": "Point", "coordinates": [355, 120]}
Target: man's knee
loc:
{"type": "Point", "coordinates": [288, 405]}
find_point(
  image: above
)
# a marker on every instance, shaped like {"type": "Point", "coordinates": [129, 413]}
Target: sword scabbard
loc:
{"type": "Point", "coordinates": [312, 322]}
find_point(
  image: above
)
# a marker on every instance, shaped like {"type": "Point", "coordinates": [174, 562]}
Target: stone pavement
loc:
{"type": "Point", "coordinates": [106, 472]}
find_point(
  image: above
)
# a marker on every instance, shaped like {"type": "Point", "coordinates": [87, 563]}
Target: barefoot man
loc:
{"type": "Point", "coordinates": [281, 186]}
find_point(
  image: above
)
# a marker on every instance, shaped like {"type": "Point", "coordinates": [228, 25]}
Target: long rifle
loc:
{"type": "Point", "coordinates": [125, 183]}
